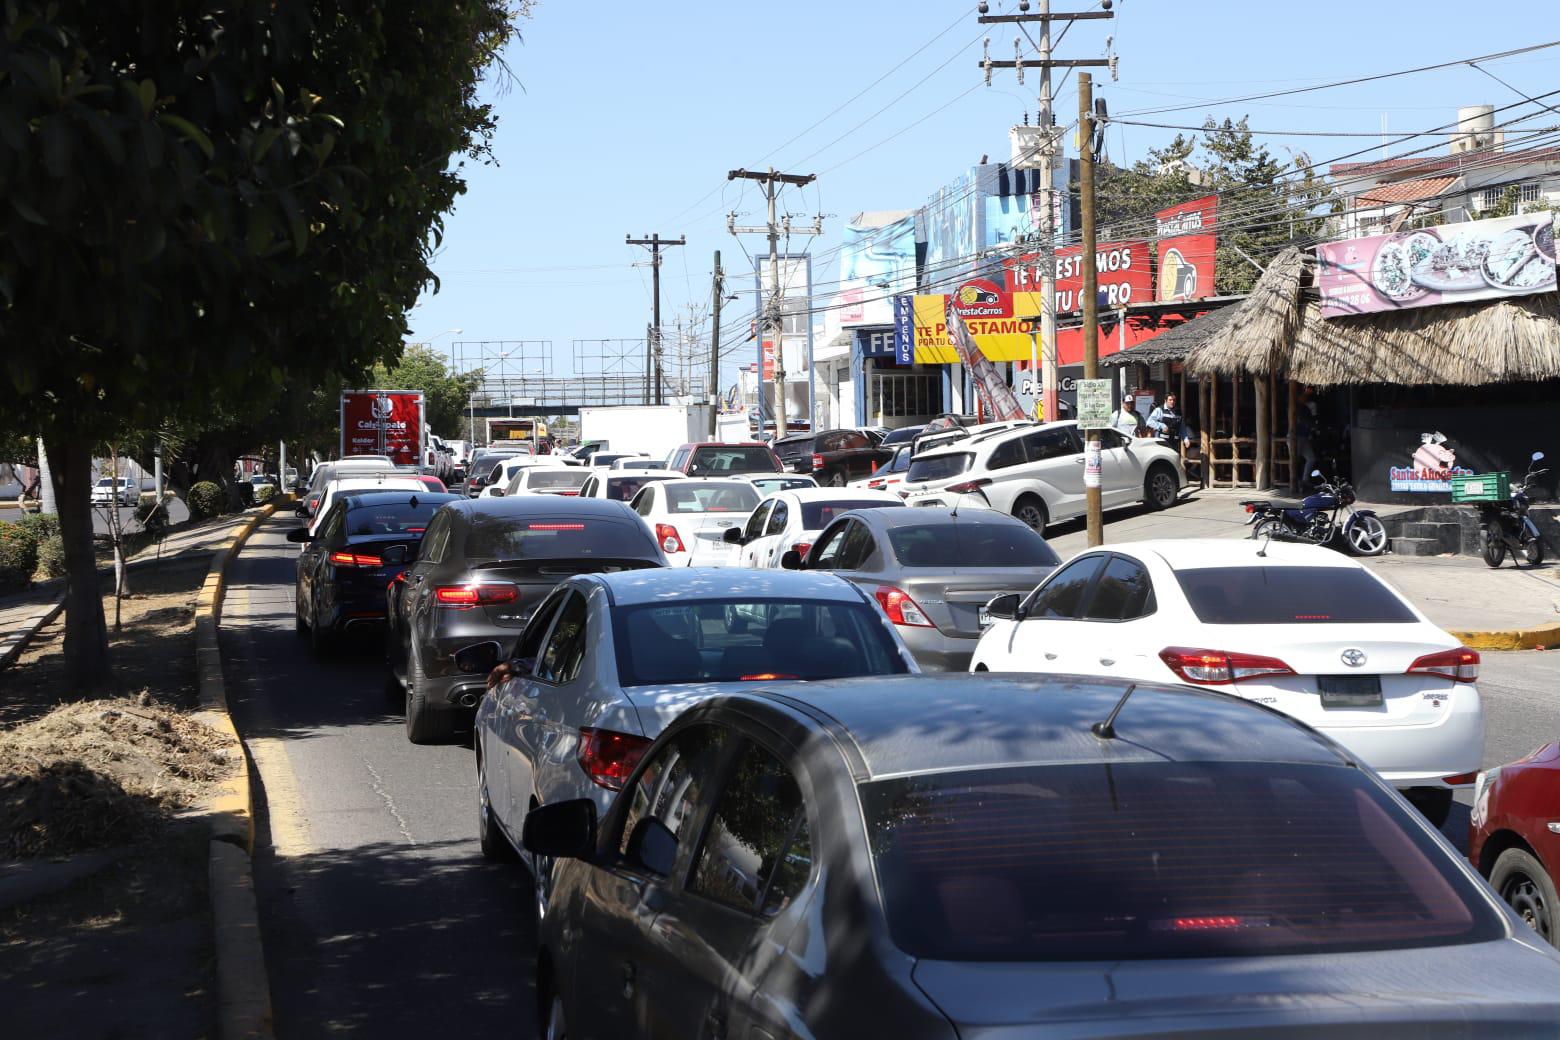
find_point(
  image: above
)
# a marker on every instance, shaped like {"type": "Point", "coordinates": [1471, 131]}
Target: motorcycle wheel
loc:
{"type": "Point", "coordinates": [1532, 553]}
{"type": "Point", "coordinates": [1272, 528]}
{"type": "Point", "coordinates": [1366, 535]}
{"type": "Point", "coordinates": [1494, 548]}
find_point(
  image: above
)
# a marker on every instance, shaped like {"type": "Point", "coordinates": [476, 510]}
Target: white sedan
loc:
{"type": "Point", "coordinates": [622, 485]}
{"type": "Point", "coordinates": [1300, 628]}
{"type": "Point", "coordinates": [691, 515]}
{"type": "Point", "coordinates": [545, 480]}
{"type": "Point", "coordinates": [505, 473]}
{"type": "Point", "coordinates": [789, 520]}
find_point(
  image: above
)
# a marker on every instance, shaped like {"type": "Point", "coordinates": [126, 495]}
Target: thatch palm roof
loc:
{"type": "Point", "coordinates": [1279, 329]}
{"type": "Point", "coordinates": [1175, 343]}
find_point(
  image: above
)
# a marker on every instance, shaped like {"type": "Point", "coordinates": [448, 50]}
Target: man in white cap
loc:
{"type": "Point", "coordinates": [1126, 419]}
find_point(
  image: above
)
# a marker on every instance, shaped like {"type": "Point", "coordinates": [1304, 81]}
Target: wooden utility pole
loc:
{"type": "Point", "coordinates": [1091, 303]}
{"type": "Point", "coordinates": [653, 341]}
{"type": "Point", "coordinates": [771, 181]}
{"type": "Point", "coordinates": [718, 293]}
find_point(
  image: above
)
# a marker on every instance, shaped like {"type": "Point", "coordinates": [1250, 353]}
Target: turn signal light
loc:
{"type": "Point", "coordinates": [1460, 665]}
{"type": "Point", "coordinates": [475, 595]}
{"type": "Point", "coordinates": [1212, 667]}
{"type": "Point", "coordinates": [347, 559]}
{"type": "Point", "coordinates": [608, 757]}
{"type": "Point", "coordinates": [900, 608]}
{"type": "Point", "coordinates": [817, 462]}
{"type": "Point", "coordinates": [968, 486]}
{"type": "Point", "coordinates": [670, 541]}
{"type": "Point", "coordinates": [801, 547]}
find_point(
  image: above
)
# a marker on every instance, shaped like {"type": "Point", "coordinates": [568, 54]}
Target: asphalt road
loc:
{"type": "Point", "coordinates": [100, 516]}
{"type": "Point", "coordinates": [380, 916]}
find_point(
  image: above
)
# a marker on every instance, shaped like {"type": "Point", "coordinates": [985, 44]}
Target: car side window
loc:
{"type": "Point", "coordinates": [642, 501]}
{"type": "Point", "coordinates": [561, 658]}
{"type": "Point", "coordinates": [1009, 453]}
{"type": "Point", "coordinates": [1062, 596]}
{"type": "Point", "coordinates": [852, 442]}
{"type": "Point", "coordinates": [434, 539]}
{"type": "Point", "coordinates": [754, 528]}
{"type": "Point", "coordinates": [331, 527]}
{"type": "Point", "coordinates": [826, 555]}
{"type": "Point", "coordinates": [1112, 439]}
{"type": "Point", "coordinates": [757, 853]}
{"type": "Point", "coordinates": [1049, 444]}
{"type": "Point", "coordinates": [674, 782]}
{"type": "Point", "coordinates": [588, 489]}
{"type": "Point", "coordinates": [856, 548]}
{"type": "Point", "coordinates": [1124, 592]}
{"type": "Point", "coordinates": [530, 645]}
{"type": "Point", "coordinates": [779, 516]}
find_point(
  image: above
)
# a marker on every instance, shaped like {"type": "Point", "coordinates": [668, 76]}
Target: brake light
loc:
{"type": "Point", "coordinates": [1210, 667]}
{"type": "Point", "coordinates": [475, 595]}
{"type": "Point", "coordinates": [969, 486]}
{"type": "Point", "coordinates": [801, 547]}
{"type": "Point", "coordinates": [555, 527]}
{"type": "Point", "coordinates": [670, 541]}
{"type": "Point", "coordinates": [1460, 665]}
{"type": "Point", "coordinates": [608, 757]}
{"type": "Point", "coordinates": [1205, 924]}
{"type": "Point", "coordinates": [900, 608]}
{"type": "Point", "coordinates": [347, 559]}
{"type": "Point", "coordinates": [314, 505]}
{"type": "Point", "coordinates": [817, 462]}
{"type": "Point", "coordinates": [1250, 508]}
{"type": "Point", "coordinates": [765, 676]}
{"type": "Point", "coordinates": [1461, 778]}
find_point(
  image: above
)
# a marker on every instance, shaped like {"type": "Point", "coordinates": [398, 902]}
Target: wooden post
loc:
{"type": "Point", "coordinates": [1264, 432]}
{"type": "Point", "coordinates": [1180, 398]}
{"type": "Point", "coordinates": [1213, 422]}
{"type": "Point", "coordinates": [1294, 446]}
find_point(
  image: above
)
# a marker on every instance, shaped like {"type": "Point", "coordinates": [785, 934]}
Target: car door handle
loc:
{"type": "Point", "coordinates": [1107, 661]}
{"type": "Point", "coordinates": [1050, 656]}
{"type": "Point", "coordinates": [1079, 461]}
{"type": "Point", "coordinates": [628, 980]}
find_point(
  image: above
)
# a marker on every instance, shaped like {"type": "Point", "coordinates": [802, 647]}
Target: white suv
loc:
{"type": "Point", "coordinates": [1035, 473]}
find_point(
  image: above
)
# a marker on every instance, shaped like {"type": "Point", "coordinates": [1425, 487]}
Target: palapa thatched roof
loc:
{"type": "Point", "coordinates": [1174, 343]}
{"type": "Point", "coordinates": [1280, 328]}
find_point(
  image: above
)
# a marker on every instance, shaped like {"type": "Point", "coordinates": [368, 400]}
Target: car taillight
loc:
{"type": "Point", "coordinates": [1209, 667]}
{"type": "Point", "coordinates": [347, 559]}
{"type": "Point", "coordinates": [475, 595]}
{"type": "Point", "coordinates": [765, 676]}
{"type": "Point", "coordinates": [667, 535]}
{"type": "Point", "coordinates": [817, 462]}
{"type": "Point", "coordinates": [608, 757]}
{"type": "Point", "coordinates": [900, 608]}
{"type": "Point", "coordinates": [800, 548]}
{"type": "Point", "coordinates": [968, 486]}
{"type": "Point", "coordinates": [314, 505]}
{"type": "Point", "coordinates": [1460, 665]}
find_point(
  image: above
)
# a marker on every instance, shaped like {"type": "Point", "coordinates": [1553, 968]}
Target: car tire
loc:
{"type": "Point", "coordinates": [490, 836]}
{"type": "Point", "coordinates": [322, 641]}
{"type": "Point", "coordinates": [1031, 510]}
{"type": "Point", "coordinates": [1528, 889]}
{"type": "Point", "coordinates": [1160, 488]}
{"type": "Point", "coordinates": [424, 725]}
{"type": "Point", "coordinates": [1434, 803]}
{"type": "Point", "coordinates": [299, 625]}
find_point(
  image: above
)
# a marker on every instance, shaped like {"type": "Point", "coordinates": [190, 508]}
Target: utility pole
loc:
{"type": "Point", "coordinates": [653, 341]}
{"type": "Point", "coordinates": [772, 181]}
{"type": "Point", "coordinates": [1091, 303]}
{"type": "Point", "coordinates": [718, 293]}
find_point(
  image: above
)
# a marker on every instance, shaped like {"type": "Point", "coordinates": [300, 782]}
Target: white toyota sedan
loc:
{"type": "Point", "coordinates": [1300, 628]}
{"type": "Point", "coordinates": [789, 520]}
{"type": "Point", "coordinates": [689, 517]}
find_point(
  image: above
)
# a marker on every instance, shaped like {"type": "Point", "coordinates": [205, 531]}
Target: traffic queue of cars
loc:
{"type": "Point", "coordinates": [746, 812]}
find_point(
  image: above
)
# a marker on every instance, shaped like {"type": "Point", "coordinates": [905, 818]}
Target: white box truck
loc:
{"type": "Point", "coordinates": [655, 429]}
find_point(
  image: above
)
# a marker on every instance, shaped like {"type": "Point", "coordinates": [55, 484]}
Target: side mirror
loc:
{"type": "Point", "coordinates": [1004, 607]}
{"type": "Point", "coordinates": [562, 830]}
{"type": "Point", "coordinates": [652, 846]}
{"type": "Point", "coordinates": [792, 560]}
{"type": "Point", "coordinates": [299, 534]}
{"type": "Point", "coordinates": [479, 658]}
{"type": "Point", "coordinates": [395, 555]}
{"type": "Point", "coordinates": [733, 536]}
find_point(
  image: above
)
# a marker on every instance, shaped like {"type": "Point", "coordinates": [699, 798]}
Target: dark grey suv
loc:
{"type": "Point", "coordinates": [483, 566]}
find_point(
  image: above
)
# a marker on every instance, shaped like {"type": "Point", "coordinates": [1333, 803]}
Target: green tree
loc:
{"type": "Point", "coordinates": [445, 393]}
{"type": "Point", "coordinates": [206, 196]}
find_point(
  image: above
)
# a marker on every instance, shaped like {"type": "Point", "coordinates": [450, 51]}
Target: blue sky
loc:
{"type": "Point", "coordinates": [625, 117]}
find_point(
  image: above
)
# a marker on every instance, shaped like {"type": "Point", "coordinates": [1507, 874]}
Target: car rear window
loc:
{"type": "Point", "coordinates": [769, 485]}
{"type": "Point", "coordinates": [507, 538]}
{"type": "Point", "coordinates": [970, 542]}
{"type": "Point", "coordinates": [1290, 595]}
{"type": "Point", "coordinates": [751, 640]}
{"type": "Point", "coordinates": [392, 518]}
{"type": "Point", "coordinates": [712, 498]}
{"type": "Point", "coordinates": [556, 479]}
{"type": "Point", "coordinates": [818, 515]}
{"type": "Point", "coordinates": [1147, 860]}
{"type": "Point", "coordinates": [738, 458]}
{"type": "Point", "coordinates": [938, 467]}
{"type": "Point", "coordinates": [623, 489]}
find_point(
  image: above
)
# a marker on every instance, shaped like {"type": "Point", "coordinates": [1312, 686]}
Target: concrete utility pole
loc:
{"type": "Point", "coordinates": [653, 343]}
{"type": "Point", "coordinates": [1091, 303]}
{"type": "Point", "coordinates": [718, 293]}
{"type": "Point", "coordinates": [771, 181]}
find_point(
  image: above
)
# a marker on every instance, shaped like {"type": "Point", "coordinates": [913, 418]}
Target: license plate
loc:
{"type": "Point", "coordinates": [982, 617]}
{"type": "Point", "coordinates": [1349, 691]}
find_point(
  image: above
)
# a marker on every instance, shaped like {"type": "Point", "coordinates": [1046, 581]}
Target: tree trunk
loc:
{"type": "Point", "coordinates": [86, 635]}
{"type": "Point", "coordinates": [46, 503]}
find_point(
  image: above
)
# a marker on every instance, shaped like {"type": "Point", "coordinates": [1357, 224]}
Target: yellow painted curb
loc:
{"type": "Point", "coordinates": [1512, 638]}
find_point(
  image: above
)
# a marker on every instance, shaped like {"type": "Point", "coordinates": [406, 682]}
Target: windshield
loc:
{"type": "Point", "coordinates": [733, 640]}
{"type": "Point", "coordinates": [938, 467]}
{"type": "Point", "coordinates": [818, 515]}
{"type": "Point", "coordinates": [1290, 595]}
{"type": "Point", "coordinates": [494, 538]}
{"type": "Point", "coordinates": [732, 458]}
{"type": "Point", "coordinates": [968, 541]}
{"type": "Point", "coordinates": [106, 482]}
{"type": "Point", "coordinates": [711, 498]}
{"type": "Point", "coordinates": [1147, 860]}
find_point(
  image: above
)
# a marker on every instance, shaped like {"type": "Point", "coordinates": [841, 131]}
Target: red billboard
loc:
{"type": "Point", "coordinates": [1186, 249]}
{"type": "Point", "coordinates": [1124, 275]}
{"type": "Point", "coordinates": [383, 422]}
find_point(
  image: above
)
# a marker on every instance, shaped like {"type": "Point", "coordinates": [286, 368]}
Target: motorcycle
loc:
{"type": "Point", "coordinates": [1316, 519]}
{"type": "Point", "coordinates": [1507, 524]}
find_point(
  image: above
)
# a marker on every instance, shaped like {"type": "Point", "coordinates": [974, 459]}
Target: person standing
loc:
{"type": "Point", "coordinates": [1126, 420]}
{"type": "Point", "coordinates": [1165, 421]}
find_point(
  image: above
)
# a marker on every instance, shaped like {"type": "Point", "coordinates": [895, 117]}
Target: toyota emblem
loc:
{"type": "Point", "coordinates": [1353, 658]}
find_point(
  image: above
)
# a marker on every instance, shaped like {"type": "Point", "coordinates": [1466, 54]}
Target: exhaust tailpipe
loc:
{"type": "Point", "coordinates": [469, 699]}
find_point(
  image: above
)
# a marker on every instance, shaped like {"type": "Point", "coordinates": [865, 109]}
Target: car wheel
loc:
{"type": "Point", "coordinates": [1031, 510]}
{"type": "Point", "coordinates": [1527, 887]}
{"type": "Point", "coordinates": [424, 725]}
{"type": "Point", "coordinates": [1160, 488]}
{"type": "Point", "coordinates": [1434, 803]}
{"type": "Point", "coordinates": [837, 478]}
{"type": "Point", "coordinates": [495, 846]}
{"type": "Point", "coordinates": [1366, 535]}
{"type": "Point", "coordinates": [322, 640]}
{"type": "Point", "coordinates": [298, 623]}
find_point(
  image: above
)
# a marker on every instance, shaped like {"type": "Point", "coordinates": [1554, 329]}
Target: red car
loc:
{"type": "Point", "coordinates": [433, 482]}
{"type": "Point", "coordinates": [1514, 836]}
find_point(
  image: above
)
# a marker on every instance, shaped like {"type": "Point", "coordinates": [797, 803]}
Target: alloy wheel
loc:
{"type": "Point", "coordinates": [1367, 535]}
{"type": "Point", "coordinates": [1524, 896]}
{"type": "Point", "coordinates": [1161, 488]}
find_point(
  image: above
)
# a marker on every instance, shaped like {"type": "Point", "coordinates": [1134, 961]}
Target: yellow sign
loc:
{"type": "Point", "coordinates": [1001, 328]}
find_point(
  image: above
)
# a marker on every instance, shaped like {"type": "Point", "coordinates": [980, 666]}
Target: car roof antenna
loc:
{"type": "Point", "coordinates": [1107, 730]}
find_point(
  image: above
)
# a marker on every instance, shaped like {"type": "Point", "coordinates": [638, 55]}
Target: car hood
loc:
{"type": "Point", "coordinates": [1506, 988]}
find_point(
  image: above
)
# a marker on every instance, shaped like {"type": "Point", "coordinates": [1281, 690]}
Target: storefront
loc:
{"type": "Point", "coordinates": [888, 392]}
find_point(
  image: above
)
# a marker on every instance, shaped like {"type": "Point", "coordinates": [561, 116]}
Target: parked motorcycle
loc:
{"type": "Point", "coordinates": [1316, 519]}
{"type": "Point", "coordinates": [1507, 524]}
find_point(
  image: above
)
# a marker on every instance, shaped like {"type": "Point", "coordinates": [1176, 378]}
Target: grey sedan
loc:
{"type": "Point", "coordinates": [932, 571]}
{"type": "Point", "coordinates": [1006, 857]}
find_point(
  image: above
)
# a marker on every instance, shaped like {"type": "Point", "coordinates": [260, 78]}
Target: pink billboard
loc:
{"type": "Point", "coordinates": [1453, 263]}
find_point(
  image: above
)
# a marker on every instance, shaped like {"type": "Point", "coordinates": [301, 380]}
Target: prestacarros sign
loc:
{"type": "Point", "coordinates": [991, 315]}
